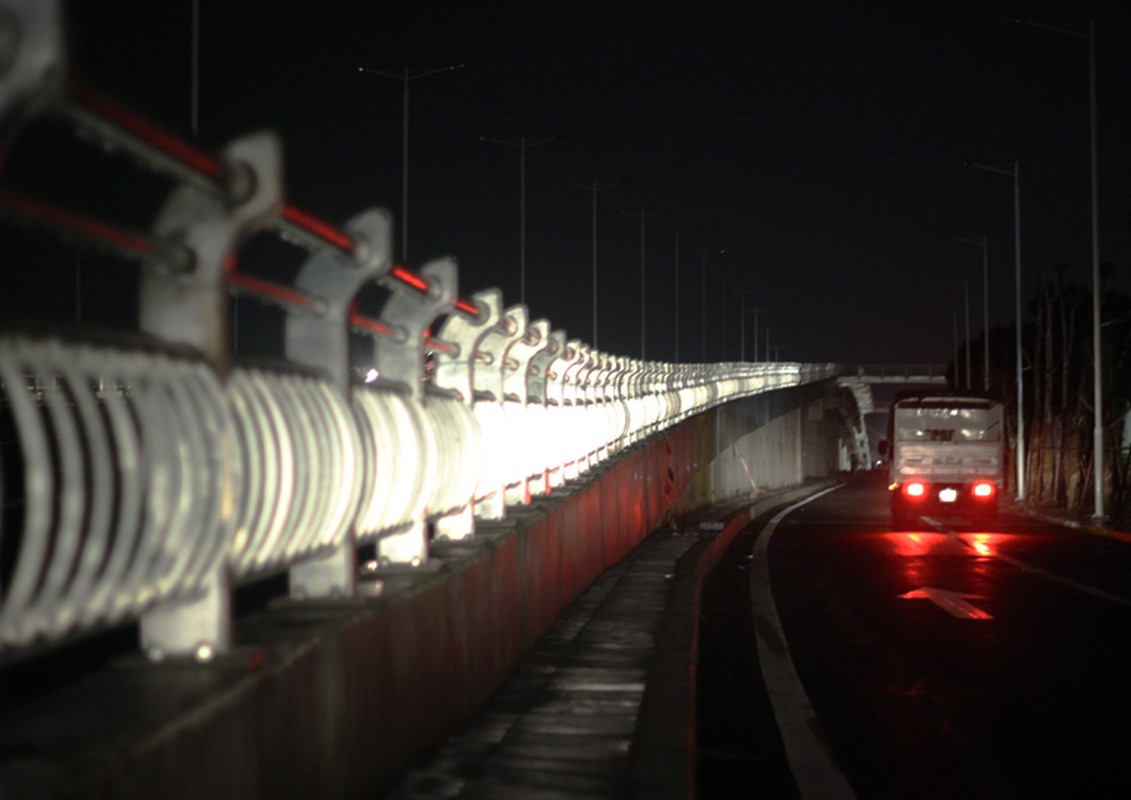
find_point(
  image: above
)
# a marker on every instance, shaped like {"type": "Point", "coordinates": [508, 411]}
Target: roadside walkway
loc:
{"type": "Point", "coordinates": [604, 706]}
{"type": "Point", "coordinates": [562, 726]}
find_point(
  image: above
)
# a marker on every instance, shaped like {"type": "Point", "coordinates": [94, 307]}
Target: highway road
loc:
{"type": "Point", "coordinates": [841, 657]}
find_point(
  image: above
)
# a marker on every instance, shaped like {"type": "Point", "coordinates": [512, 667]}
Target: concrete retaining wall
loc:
{"type": "Point", "coordinates": [331, 700]}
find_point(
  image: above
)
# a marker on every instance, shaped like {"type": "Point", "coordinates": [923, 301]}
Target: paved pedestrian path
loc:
{"type": "Point", "coordinates": [604, 706]}
{"type": "Point", "coordinates": [564, 723]}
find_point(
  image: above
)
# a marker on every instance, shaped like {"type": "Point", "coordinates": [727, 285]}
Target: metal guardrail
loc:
{"type": "Point", "coordinates": [146, 484]}
{"type": "Point", "coordinates": [138, 486]}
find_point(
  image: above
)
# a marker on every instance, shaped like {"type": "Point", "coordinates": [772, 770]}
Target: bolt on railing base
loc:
{"type": "Point", "coordinates": [453, 527]}
{"type": "Point", "coordinates": [408, 547]}
{"type": "Point", "coordinates": [492, 507]}
{"type": "Point", "coordinates": [330, 573]}
{"type": "Point", "coordinates": [198, 627]}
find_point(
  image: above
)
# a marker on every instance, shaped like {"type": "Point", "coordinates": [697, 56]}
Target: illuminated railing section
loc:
{"type": "Point", "coordinates": [402, 458]}
{"type": "Point", "coordinates": [145, 479]}
{"type": "Point", "coordinates": [147, 485]}
{"type": "Point", "coordinates": [124, 493]}
{"type": "Point", "coordinates": [300, 468]}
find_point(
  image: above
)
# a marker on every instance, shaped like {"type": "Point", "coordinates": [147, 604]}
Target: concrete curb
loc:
{"type": "Point", "coordinates": [1094, 528]}
{"type": "Point", "coordinates": [664, 749]}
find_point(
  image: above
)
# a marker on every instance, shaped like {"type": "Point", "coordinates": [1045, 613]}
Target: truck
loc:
{"type": "Point", "coordinates": [946, 456]}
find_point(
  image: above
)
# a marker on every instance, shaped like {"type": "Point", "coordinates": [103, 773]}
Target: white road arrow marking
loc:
{"type": "Point", "coordinates": [953, 603]}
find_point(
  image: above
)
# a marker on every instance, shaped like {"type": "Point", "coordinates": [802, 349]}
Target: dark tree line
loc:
{"type": "Point", "coordinates": [1058, 393]}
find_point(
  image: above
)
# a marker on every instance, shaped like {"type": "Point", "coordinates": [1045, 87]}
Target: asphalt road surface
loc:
{"type": "Point", "coordinates": [942, 661]}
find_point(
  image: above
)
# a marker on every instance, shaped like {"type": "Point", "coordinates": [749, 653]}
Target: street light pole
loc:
{"type": "Point", "coordinates": [756, 312]}
{"type": "Point", "coordinates": [724, 339]}
{"type": "Point", "coordinates": [522, 145]}
{"type": "Point", "coordinates": [703, 302]}
{"type": "Point", "coordinates": [595, 187]}
{"type": "Point", "coordinates": [981, 242]}
{"type": "Point", "coordinates": [742, 323]}
{"type": "Point", "coordinates": [1015, 173]}
{"type": "Point", "coordinates": [643, 215]}
{"type": "Point", "coordinates": [966, 306]}
{"type": "Point", "coordinates": [985, 315]}
{"type": "Point", "coordinates": [954, 340]}
{"type": "Point", "coordinates": [406, 75]}
{"type": "Point", "coordinates": [1097, 342]}
{"type": "Point", "coordinates": [703, 308]}
{"type": "Point", "coordinates": [966, 303]}
{"type": "Point", "coordinates": [675, 284]}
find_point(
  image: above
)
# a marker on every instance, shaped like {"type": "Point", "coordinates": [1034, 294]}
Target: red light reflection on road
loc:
{"type": "Point", "coordinates": [985, 544]}
{"type": "Point", "coordinates": [928, 560]}
{"type": "Point", "coordinates": [913, 544]}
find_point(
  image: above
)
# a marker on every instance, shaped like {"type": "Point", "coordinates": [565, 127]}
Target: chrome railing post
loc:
{"type": "Point", "coordinates": [538, 393]}
{"type": "Point", "coordinates": [488, 377]}
{"type": "Point", "coordinates": [399, 361]}
{"type": "Point", "coordinates": [524, 415]}
{"type": "Point", "coordinates": [452, 373]}
{"type": "Point", "coordinates": [559, 399]}
{"type": "Point", "coordinates": [322, 342]}
{"type": "Point", "coordinates": [191, 308]}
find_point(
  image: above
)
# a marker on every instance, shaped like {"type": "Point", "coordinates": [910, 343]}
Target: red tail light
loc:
{"type": "Point", "coordinates": [983, 490]}
{"type": "Point", "coordinates": [915, 490]}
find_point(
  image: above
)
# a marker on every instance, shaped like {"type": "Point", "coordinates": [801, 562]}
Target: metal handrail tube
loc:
{"type": "Point", "coordinates": [166, 153]}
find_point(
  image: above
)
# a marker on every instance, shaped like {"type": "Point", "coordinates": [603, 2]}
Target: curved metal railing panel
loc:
{"type": "Point", "coordinates": [122, 485]}
{"type": "Point", "coordinates": [403, 461]}
{"type": "Point", "coordinates": [300, 469]}
{"type": "Point", "coordinates": [460, 459]}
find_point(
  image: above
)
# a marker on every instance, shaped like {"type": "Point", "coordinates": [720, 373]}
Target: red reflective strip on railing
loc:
{"type": "Point", "coordinates": [268, 289]}
{"type": "Point", "coordinates": [369, 324]}
{"type": "Point", "coordinates": [130, 122]}
{"type": "Point", "coordinates": [466, 306]}
{"type": "Point", "coordinates": [421, 284]}
{"type": "Point", "coordinates": [77, 223]}
{"type": "Point", "coordinates": [437, 344]}
{"type": "Point", "coordinates": [323, 230]}
{"type": "Point", "coordinates": [410, 278]}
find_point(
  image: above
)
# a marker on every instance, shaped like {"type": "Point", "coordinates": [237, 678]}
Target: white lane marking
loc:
{"type": "Point", "coordinates": [954, 603]}
{"type": "Point", "coordinates": [1038, 571]}
{"type": "Point", "coordinates": [1052, 576]}
{"type": "Point", "coordinates": [814, 769]}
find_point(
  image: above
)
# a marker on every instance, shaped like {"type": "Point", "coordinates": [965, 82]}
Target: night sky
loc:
{"type": "Point", "coordinates": [808, 154]}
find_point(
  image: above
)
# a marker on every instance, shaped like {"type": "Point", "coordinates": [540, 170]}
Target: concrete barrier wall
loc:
{"type": "Point", "coordinates": [334, 698]}
{"type": "Point", "coordinates": [754, 444]}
